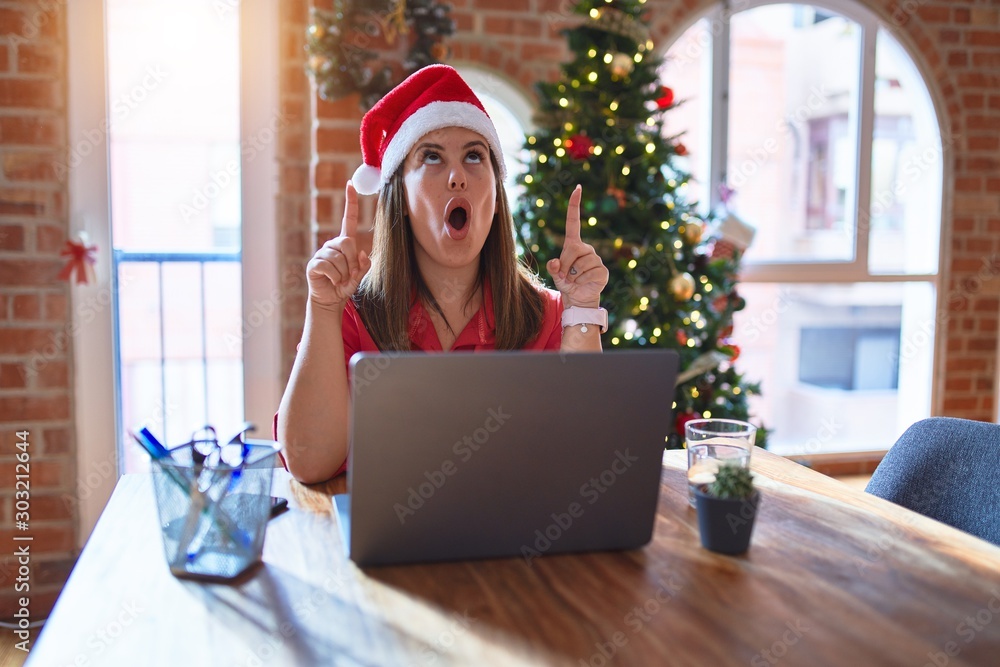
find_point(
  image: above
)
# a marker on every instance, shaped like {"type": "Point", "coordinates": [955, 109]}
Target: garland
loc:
{"type": "Point", "coordinates": [358, 47]}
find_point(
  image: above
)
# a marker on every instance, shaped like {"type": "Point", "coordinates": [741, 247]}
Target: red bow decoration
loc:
{"type": "Point", "coordinates": [82, 258]}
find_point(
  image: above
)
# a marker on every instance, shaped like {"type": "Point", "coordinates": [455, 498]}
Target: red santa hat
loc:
{"type": "Point", "coordinates": [431, 98]}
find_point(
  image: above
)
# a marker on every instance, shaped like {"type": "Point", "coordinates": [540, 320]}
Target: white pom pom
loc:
{"type": "Point", "coordinates": [366, 180]}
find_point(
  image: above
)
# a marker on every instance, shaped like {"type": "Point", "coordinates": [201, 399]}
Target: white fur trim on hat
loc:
{"type": "Point", "coordinates": [435, 116]}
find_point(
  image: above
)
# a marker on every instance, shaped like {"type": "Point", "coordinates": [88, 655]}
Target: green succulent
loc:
{"type": "Point", "coordinates": [732, 482]}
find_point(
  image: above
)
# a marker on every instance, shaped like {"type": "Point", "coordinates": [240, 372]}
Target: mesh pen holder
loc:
{"type": "Point", "coordinates": [214, 508]}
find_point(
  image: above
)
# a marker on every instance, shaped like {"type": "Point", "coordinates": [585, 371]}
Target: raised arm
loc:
{"type": "Point", "coordinates": [580, 275]}
{"type": "Point", "coordinates": [312, 418]}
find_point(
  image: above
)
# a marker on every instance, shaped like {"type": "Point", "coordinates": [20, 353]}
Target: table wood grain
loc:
{"type": "Point", "coordinates": [833, 577]}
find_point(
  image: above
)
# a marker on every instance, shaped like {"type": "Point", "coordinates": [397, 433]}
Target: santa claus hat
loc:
{"type": "Point", "coordinates": [430, 99]}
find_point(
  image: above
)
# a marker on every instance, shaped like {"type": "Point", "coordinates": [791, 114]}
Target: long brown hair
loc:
{"type": "Point", "coordinates": [385, 295]}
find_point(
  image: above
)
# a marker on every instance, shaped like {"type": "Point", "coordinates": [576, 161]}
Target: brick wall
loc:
{"type": "Point", "coordinates": [957, 43]}
{"type": "Point", "coordinates": [35, 391]}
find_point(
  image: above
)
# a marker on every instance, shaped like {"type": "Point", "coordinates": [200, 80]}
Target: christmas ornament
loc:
{"type": "Point", "coordinates": [727, 347]}
{"type": "Point", "coordinates": [579, 146]}
{"type": "Point", "coordinates": [733, 236]}
{"type": "Point", "coordinates": [683, 418]}
{"type": "Point", "coordinates": [609, 204]}
{"type": "Point", "coordinates": [619, 196]}
{"type": "Point", "coordinates": [720, 303]}
{"type": "Point", "coordinates": [682, 338]}
{"type": "Point", "coordinates": [682, 286]}
{"type": "Point", "coordinates": [621, 65]}
{"type": "Point", "coordinates": [666, 99]}
{"type": "Point", "coordinates": [82, 257]}
{"type": "Point", "coordinates": [681, 149]}
{"type": "Point", "coordinates": [701, 365]}
{"type": "Point", "coordinates": [693, 231]}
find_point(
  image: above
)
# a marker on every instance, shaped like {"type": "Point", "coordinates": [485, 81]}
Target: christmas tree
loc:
{"type": "Point", "coordinates": [673, 275]}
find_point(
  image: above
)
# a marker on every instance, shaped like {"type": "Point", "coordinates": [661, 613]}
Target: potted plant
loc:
{"type": "Point", "coordinates": [727, 508]}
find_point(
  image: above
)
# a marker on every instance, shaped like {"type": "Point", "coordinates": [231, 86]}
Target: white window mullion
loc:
{"type": "Point", "coordinates": [865, 137]}
{"type": "Point", "coordinates": [719, 157]}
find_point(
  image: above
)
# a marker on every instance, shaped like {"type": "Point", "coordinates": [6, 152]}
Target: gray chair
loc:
{"type": "Point", "coordinates": [947, 469]}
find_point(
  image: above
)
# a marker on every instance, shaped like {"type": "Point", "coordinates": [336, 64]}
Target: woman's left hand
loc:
{"type": "Point", "coordinates": [579, 273]}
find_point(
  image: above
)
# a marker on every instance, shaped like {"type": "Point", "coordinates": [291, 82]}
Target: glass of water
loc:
{"type": "Point", "coordinates": [714, 442]}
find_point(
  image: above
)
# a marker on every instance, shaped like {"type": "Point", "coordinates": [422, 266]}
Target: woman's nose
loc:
{"type": "Point", "coordinates": [457, 180]}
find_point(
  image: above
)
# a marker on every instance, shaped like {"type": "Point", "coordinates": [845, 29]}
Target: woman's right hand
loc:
{"type": "Point", "coordinates": [336, 270]}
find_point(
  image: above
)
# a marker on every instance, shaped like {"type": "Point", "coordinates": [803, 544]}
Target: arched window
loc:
{"type": "Point", "coordinates": [822, 124]}
{"type": "Point", "coordinates": [511, 113]}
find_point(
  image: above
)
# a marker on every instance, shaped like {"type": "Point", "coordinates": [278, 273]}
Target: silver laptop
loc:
{"type": "Point", "coordinates": [504, 454]}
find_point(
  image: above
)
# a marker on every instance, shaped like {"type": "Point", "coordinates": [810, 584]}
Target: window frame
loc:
{"type": "Point", "coordinates": [855, 271]}
{"type": "Point", "coordinates": [95, 367]}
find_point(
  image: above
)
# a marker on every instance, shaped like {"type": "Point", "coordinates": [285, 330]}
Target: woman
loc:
{"type": "Point", "coordinates": [443, 272]}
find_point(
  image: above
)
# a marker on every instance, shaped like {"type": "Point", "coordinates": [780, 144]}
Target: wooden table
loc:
{"type": "Point", "coordinates": [834, 577]}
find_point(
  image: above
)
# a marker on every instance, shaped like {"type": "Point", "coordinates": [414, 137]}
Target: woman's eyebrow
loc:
{"type": "Point", "coordinates": [439, 147]}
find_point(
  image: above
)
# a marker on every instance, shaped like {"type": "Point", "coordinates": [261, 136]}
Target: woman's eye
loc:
{"type": "Point", "coordinates": [474, 156]}
{"type": "Point", "coordinates": [431, 158]}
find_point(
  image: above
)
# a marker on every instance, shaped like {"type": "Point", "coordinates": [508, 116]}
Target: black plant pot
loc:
{"type": "Point", "coordinates": [725, 525]}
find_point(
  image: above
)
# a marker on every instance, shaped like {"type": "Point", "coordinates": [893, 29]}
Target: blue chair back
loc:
{"type": "Point", "coordinates": [947, 469]}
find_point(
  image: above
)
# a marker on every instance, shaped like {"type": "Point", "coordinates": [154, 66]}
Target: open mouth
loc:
{"type": "Point", "coordinates": [457, 212]}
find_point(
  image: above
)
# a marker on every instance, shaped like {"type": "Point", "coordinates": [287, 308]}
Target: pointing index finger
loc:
{"type": "Point", "coordinates": [573, 215]}
{"type": "Point", "coordinates": [349, 226]}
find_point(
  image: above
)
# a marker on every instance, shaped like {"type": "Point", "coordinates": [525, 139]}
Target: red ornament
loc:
{"type": "Point", "coordinates": [666, 99]}
{"type": "Point", "coordinates": [719, 304]}
{"type": "Point", "coordinates": [728, 348]}
{"type": "Point", "coordinates": [682, 337]}
{"type": "Point", "coordinates": [683, 418]}
{"type": "Point", "coordinates": [579, 146]}
{"type": "Point", "coordinates": [82, 258]}
{"type": "Point", "coordinates": [619, 196]}
{"type": "Point", "coordinates": [681, 149]}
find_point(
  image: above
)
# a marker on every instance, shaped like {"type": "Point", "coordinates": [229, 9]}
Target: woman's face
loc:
{"type": "Point", "coordinates": [450, 196]}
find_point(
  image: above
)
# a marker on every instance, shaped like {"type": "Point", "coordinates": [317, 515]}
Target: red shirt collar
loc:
{"type": "Point", "coordinates": [479, 333]}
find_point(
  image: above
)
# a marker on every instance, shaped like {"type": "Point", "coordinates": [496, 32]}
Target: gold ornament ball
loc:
{"type": "Point", "coordinates": [693, 232]}
{"type": "Point", "coordinates": [317, 31]}
{"type": "Point", "coordinates": [682, 286]}
{"type": "Point", "coordinates": [621, 64]}
{"type": "Point", "coordinates": [318, 63]}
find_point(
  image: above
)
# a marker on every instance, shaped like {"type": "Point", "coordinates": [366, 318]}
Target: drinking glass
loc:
{"type": "Point", "coordinates": [712, 443]}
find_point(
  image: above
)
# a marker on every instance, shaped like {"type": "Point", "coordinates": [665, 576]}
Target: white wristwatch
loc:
{"type": "Point", "coordinates": [576, 315]}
